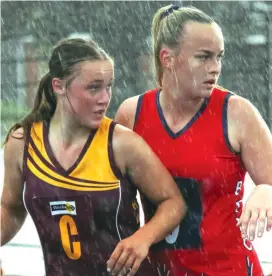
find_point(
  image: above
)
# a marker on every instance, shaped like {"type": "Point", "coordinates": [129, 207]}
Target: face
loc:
{"type": "Point", "coordinates": [198, 64]}
{"type": "Point", "coordinates": [89, 94]}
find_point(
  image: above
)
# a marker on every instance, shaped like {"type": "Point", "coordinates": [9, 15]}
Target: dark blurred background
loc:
{"type": "Point", "coordinates": [123, 29]}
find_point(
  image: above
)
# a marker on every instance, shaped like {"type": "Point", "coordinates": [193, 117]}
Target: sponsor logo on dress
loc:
{"type": "Point", "coordinates": [63, 207]}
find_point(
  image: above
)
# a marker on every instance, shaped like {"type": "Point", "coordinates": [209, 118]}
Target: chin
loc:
{"type": "Point", "coordinates": [94, 124]}
{"type": "Point", "coordinates": [206, 92]}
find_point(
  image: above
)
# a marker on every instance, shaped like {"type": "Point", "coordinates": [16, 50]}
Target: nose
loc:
{"type": "Point", "coordinates": [104, 96]}
{"type": "Point", "coordinates": [214, 67]}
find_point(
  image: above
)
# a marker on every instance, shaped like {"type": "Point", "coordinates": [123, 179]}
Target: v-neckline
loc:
{"type": "Point", "coordinates": [52, 157]}
{"type": "Point", "coordinates": [187, 126]}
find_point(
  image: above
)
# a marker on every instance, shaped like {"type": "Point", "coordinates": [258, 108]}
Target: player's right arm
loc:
{"type": "Point", "coordinates": [13, 212]}
{"type": "Point", "coordinates": [138, 162]}
{"type": "Point", "coordinates": [125, 114]}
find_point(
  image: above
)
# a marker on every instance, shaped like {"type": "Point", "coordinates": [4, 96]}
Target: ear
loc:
{"type": "Point", "coordinates": [167, 57]}
{"type": "Point", "coordinates": [57, 85]}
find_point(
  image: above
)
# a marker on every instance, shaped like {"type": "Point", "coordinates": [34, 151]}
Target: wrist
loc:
{"type": "Point", "coordinates": [145, 235]}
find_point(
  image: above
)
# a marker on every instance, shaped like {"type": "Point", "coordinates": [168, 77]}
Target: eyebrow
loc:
{"type": "Point", "coordinates": [101, 81]}
{"type": "Point", "coordinates": [209, 52]}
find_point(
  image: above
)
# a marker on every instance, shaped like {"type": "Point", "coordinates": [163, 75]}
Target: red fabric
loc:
{"type": "Point", "coordinates": [201, 151]}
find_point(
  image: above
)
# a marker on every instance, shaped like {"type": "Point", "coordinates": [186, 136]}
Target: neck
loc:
{"type": "Point", "coordinates": [66, 128]}
{"type": "Point", "coordinates": [177, 101]}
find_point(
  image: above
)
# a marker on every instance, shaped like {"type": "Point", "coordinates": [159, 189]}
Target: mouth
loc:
{"type": "Point", "coordinates": [99, 112]}
{"type": "Point", "coordinates": [210, 82]}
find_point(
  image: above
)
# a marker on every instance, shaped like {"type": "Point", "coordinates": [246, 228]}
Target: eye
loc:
{"type": "Point", "coordinates": [94, 88]}
{"type": "Point", "coordinates": [109, 87]}
{"type": "Point", "coordinates": [203, 57]}
{"type": "Point", "coordinates": [220, 57]}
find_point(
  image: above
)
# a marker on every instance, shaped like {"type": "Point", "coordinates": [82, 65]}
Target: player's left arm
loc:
{"type": "Point", "coordinates": [254, 141]}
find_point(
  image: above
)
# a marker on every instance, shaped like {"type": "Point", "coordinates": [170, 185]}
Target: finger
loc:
{"type": "Point", "coordinates": [261, 222]}
{"type": "Point", "coordinates": [269, 220]}
{"type": "Point", "coordinates": [123, 272]}
{"type": "Point", "coordinates": [253, 224]}
{"type": "Point", "coordinates": [135, 267]}
{"type": "Point", "coordinates": [120, 262]}
{"type": "Point", "coordinates": [244, 220]}
{"type": "Point", "coordinates": [245, 214]}
{"type": "Point", "coordinates": [113, 258]}
{"type": "Point", "coordinates": [127, 266]}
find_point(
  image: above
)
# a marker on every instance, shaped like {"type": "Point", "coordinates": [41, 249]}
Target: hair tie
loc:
{"type": "Point", "coordinates": [169, 10]}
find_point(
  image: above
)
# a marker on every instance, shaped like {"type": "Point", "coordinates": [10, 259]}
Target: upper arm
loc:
{"type": "Point", "coordinates": [135, 158]}
{"type": "Point", "coordinates": [254, 139]}
{"type": "Point", "coordinates": [13, 166]}
{"type": "Point", "coordinates": [125, 114]}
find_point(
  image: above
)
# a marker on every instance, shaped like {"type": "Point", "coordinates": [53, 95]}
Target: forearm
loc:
{"type": "Point", "coordinates": [11, 222]}
{"type": "Point", "coordinates": [167, 217]}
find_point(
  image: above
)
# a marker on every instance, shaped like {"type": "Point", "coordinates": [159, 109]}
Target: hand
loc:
{"type": "Point", "coordinates": [128, 255]}
{"type": "Point", "coordinates": [257, 209]}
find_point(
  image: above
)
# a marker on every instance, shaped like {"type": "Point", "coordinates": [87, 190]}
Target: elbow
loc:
{"type": "Point", "coordinates": [183, 207]}
{"type": "Point", "coordinates": [11, 222]}
{"type": "Point", "coordinates": [180, 207]}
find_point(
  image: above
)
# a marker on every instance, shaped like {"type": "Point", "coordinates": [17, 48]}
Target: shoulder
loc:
{"type": "Point", "coordinates": [237, 105]}
{"type": "Point", "coordinates": [18, 133]}
{"type": "Point", "coordinates": [126, 112]}
{"type": "Point", "coordinates": [130, 102]}
{"type": "Point", "coordinates": [129, 105]}
{"type": "Point", "coordinates": [242, 109]}
{"type": "Point", "coordinates": [124, 135]}
{"type": "Point", "coordinates": [125, 143]}
{"type": "Point", "coordinates": [244, 118]}
{"type": "Point", "coordinates": [126, 140]}
{"type": "Point", "coordinates": [16, 137]}
{"type": "Point", "coordinates": [14, 147]}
